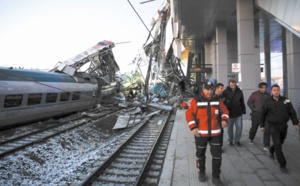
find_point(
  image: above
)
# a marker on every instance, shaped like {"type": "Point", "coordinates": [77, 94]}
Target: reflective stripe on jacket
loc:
{"type": "Point", "coordinates": [204, 114]}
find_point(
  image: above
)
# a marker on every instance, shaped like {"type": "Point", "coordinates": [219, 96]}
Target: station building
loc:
{"type": "Point", "coordinates": [246, 40]}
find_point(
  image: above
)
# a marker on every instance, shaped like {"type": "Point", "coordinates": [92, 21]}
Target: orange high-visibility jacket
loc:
{"type": "Point", "coordinates": [204, 114]}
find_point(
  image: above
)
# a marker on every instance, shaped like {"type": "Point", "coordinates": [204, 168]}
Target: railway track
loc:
{"type": "Point", "coordinates": [136, 161]}
{"type": "Point", "coordinates": [22, 141]}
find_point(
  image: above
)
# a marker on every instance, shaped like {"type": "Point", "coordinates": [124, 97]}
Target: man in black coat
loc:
{"type": "Point", "coordinates": [255, 102]}
{"type": "Point", "coordinates": [277, 110]}
{"type": "Point", "coordinates": [218, 91]}
{"type": "Point", "coordinates": [234, 100]}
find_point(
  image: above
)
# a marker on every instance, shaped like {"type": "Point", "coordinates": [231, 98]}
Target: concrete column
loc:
{"type": "Point", "coordinates": [221, 53]}
{"type": "Point", "coordinates": [250, 68]}
{"type": "Point", "coordinates": [267, 54]}
{"type": "Point", "coordinates": [232, 55]}
{"type": "Point", "coordinates": [199, 76]}
{"type": "Point", "coordinates": [203, 59]}
{"type": "Point", "coordinates": [190, 65]}
{"type": "Point", "coordinates": [293, 67]}
{"type": "Point", "coordinates": [209, 50]}
{"type": "Point", "coordinates": [284, 62]}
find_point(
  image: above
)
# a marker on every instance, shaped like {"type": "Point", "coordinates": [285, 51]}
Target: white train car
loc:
{"type": "Point", "coordinates": [27, 96]}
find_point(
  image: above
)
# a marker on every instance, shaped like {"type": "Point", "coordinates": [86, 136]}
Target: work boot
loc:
{"type": "Point", "coordinates": [202, 177]}
{"type": "Point", "coordinates": [217, 181]}
{"type": "Point", "coordinates": [200, 163]}
{"type": "Point", "coordinates": [266, 148]}
{"type": "Point", "coordinates": [271, 154]}
{"type": "Point", "coordinates": [251, 141]}
{"type": "Point", "coordinates": [238, 143]}
{"type": "Point", "coordinates": [283, 168]}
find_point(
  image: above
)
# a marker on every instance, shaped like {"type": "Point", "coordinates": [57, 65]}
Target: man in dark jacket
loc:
{"type": "Point", "coordinates": [218, 91]}
{"type": "Point", "coordinates": [255, 103]}
{"type": "Point", "coordinates": [277, 110]}
{"type": "Point", "coordinates": [234, 100]}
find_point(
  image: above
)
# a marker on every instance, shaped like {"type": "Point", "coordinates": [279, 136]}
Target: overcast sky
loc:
{"type": "Point", "coordinates": [39, 33]}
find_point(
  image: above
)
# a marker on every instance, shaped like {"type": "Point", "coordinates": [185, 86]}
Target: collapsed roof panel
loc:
{"type": "Point", "coordinates": [91, 52]}
{"type": "Point", "coordinates": [97, 61]}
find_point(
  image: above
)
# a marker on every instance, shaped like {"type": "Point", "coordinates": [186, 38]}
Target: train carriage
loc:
{"type": "Point", "coordinates": [27, 95]}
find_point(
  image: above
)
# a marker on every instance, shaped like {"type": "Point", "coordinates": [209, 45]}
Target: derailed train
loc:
{"type": "Point", "coordinates": [73, 85]}
{"type": "Point", "coordinates": [27, 95]}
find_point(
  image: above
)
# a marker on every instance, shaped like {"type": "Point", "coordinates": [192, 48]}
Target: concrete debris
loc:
{"type": "Point", "coordinates": [92, 115]}
{"type": "Point", "coordinates": [160, 106]}
{"type": "Point", "coordinates": [122, 122]}
{"type": "Point", "coordinates": [153, 113]}
{"type": "Point", "coordinates": [134, 111]}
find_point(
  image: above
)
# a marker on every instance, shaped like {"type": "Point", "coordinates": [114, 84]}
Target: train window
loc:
{"type": "Point", "coordinates": [34, 99]}
{"type": "Point", "coordinates": [13, 100]}
{"type": "Point", "coordinates": [76, 96]}
{"type": "Point", "coordinates": [64, 96]}
{"type": "Point", "coordinates": [51, 97]}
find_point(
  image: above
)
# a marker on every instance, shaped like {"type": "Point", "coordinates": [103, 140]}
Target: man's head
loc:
{"type": "Point", "coordinates": [232, 84]}
{"type": "Point", "coordinates": [262, 87]}
{"type": "Point", "coordinates": [208, 89]}
{"type": "Point", "coordinates": [219, 88]}
{"type": "Point", "coordinates": [275, 90]}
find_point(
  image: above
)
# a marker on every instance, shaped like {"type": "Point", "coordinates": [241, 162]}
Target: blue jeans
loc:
{"type": "Point", "coordinates": [238, 121]}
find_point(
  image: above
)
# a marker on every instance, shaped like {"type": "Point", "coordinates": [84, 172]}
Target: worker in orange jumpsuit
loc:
{"type": "Point", "coordinates": [203, 117]}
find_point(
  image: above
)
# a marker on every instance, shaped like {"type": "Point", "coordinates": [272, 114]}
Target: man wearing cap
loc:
{"type": "Point", "coordinates": [234, 100]}
{"type": "Point", "coordinates": [203, 120]}
{"type": "Point", "coordinates": [255, 103]}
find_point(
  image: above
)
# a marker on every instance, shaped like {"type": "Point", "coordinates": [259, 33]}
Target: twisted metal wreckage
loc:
{"type": "Point", "coordinates": [94, 78]}
{"type": "Point", "coordinates": [161, 52]}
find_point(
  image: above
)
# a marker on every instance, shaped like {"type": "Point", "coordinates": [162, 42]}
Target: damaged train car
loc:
{"type": "Point", "coordinates": [76, 84]}
{"type": "Point", "coordinates": [91, 78]}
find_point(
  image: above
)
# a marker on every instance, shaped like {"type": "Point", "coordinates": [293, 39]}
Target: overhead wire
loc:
{"type": "Point", "coordinates": [139, 17]}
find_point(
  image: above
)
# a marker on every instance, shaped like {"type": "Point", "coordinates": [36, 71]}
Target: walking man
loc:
{"type": "Point", "coordinates": [202, 118]}
{"type": "Point", "coordinates": [255, 103]}
{"type": "Point", "coordinates": [234, 100]}
{"type": "Point", "coordinates": [218, 91]}
{"type": "Point", "coordinates": [277, 110]}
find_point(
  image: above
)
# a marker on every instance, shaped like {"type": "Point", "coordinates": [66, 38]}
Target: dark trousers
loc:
{"type": "Point", "coordinates": [278, 134]}
{"type": "Point", "coordinates": [255, 119]}
{"type": "Point", "coordinates": [215, 150]}
{"type": "Point", "coordinates": [267, 135]}
{"type": "Point", "coordinates": [222, 135]}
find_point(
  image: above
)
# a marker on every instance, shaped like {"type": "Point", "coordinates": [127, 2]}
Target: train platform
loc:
{"type": "Point", "coordinates": [241, 165]}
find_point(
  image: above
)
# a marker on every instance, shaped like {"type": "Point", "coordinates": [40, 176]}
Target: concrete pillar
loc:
{"type": "Point", "coordinates": [250, 68]}
{"type": "Point", "coordinates": [199, 76]}
{"type": "Point", "coordinates": [267, 54]}
{"type": "Point", "coordinates": [284, 62]}
{"type": "Point", "coordinates": [209, 50]}
{"type": "Point", "coordinates": [232, 55]}
{"type": "Point", "coordinates": [204, 75]}
{"type": "Point", "coordinates": [190, 65]}
{"type": "Point", "coordinates": [221, 54]}
{"type": "Point", "coordinates": [293, 67]}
